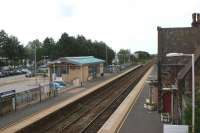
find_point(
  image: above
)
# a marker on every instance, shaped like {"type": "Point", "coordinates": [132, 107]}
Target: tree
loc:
{"type": "Point", "coordinates": [34, 43]}
{"type": "Point", "coordinates": [3, 41]}
{"type": "Point", "coordinates": [67, 45]}
{"type": "Point", "coordinates": [30, 50]}
{"type": "Point", "coordinates": [80, 46]}
{"type": "Point", "coordinates": [49, 48]}
{"type": "Point", "coordinates": [142, 55]}
{"type": "Point", "coordinates": [124, 55]}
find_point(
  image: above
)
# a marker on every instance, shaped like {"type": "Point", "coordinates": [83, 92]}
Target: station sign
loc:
{"type": "Point", "coordinates": [175, 128]}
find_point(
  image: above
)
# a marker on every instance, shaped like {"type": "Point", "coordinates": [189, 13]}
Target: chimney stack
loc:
{"type": "Point", "coordinates": [194, 20]}
{"type": "Point", "coordinates": [198, 19]}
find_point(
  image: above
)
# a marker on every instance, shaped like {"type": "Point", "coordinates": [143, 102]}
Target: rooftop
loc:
{"type": "Point", "coordinates": [81, 60]}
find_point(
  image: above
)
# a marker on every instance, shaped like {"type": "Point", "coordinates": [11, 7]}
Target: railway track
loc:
{"type": "Point", "coordinates": [89, 113]}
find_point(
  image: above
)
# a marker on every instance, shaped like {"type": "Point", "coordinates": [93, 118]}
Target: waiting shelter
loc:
{"type": "Point", "coordinates": [75, 70]}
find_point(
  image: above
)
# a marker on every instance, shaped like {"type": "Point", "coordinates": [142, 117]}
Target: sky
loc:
{"type": "Point", "coordinates": [128, 24]}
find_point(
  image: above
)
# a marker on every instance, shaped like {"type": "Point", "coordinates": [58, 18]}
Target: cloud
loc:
{"type": "Point", "coordinates": [120, 23]}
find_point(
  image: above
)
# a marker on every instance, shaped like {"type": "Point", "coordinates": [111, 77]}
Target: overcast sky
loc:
{"type": "Point", "coordinates": [128, 24]}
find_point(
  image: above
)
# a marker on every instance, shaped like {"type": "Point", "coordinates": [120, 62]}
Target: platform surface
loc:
{"type": "Point", "coordinates": [140, 120]}
{"type": "Point", "coordinates": [32, 109]}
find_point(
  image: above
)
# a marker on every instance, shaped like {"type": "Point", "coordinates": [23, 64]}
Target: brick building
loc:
{"type": "Point", "coordinates": [76, 69]}
{"type": "Point", "coordinates": [174, 73]}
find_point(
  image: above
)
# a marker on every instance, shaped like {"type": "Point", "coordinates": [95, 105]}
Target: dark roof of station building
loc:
{"type": "Point", "coordinates": [185, 70]}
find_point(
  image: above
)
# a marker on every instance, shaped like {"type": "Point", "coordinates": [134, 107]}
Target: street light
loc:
{"type": "Point", "coordinates": [106, 55]}
{"type": "Point", "coordinates": [193, 84]}
{"type": "Point", "coordinates": [35, 61]}
{"type": "Point", "coordinates": [44, 60]}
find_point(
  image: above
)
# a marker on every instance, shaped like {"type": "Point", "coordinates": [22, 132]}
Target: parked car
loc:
{"type": "Point", "coordinates": [57, 85]}
{"type": "Point", "coordinates": [18, 71]}
{"type": "Point", "coordinates": [11, 72]}
{"type": "Point", "coordinates": [6, 73]}
{"type": "Point", "coordinates": [1, 75]}
{"type": "Point", "coordinates": [30, 74]}
{"type": "Point", "coordinates": [24, 70]}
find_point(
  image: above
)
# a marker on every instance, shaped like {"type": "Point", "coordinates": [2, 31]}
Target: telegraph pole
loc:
{"type": "Point", "coordinates": [35, 66]}
{"type": "Point", "coordinates": [106, 55]}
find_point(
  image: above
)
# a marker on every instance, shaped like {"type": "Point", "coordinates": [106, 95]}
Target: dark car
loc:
{"type": "Point", "coordinates": [18, 71]}
{"type": "Point", "coordinates": [57, 85]}
{"type": "Point", "coordinates": [6, 73]}
{"type": "Point", "coordinates": [2, 75]}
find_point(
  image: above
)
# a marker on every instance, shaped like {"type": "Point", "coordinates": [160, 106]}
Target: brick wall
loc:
{"type": "Point", "coordinates": [179, 40]}
{"type": "Point", "coordinates": [174, 40]}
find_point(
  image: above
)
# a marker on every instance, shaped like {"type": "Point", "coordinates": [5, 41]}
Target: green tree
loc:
{"type": "Point", "coordinates": [124, 56]}
{"type": "Point", "coordinates": [142, 55]}
{"type": "Point", "coordinates": [30, 50]}
{"type": "Point", "coordinates": [3, 41]}
{"type": "Point", "coordinates": [188, 113]}
{"type": "Point", "coordinates": [67, 45]}
{"type": "Point", "coordinates": [11, 50]}
{"type": "Point", "coordinates": [49, 48]}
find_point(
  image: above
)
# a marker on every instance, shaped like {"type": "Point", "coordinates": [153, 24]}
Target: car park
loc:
{"type": "Point", "coordinates": [9, 71]}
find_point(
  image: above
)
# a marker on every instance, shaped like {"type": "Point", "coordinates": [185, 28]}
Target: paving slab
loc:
{"type": "Point", "coordinates": [32, 109]}
{"type": "Point", "coordinates": [141, 120]}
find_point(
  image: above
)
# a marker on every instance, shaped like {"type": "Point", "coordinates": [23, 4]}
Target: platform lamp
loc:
{"type": "Point", "coordinates": [193, 84]}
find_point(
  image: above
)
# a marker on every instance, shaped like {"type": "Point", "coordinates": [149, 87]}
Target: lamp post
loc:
{"type": "Point", "coordinates": [35, 61]}
{"type": "Point", "coordinates": [106, 55]}
{"type": "Point", "coordinates": [193, 84]}
{"type": "Point", "coordinates": [44, 60]}
{"type": "Point", "coordinates": [81, 75]}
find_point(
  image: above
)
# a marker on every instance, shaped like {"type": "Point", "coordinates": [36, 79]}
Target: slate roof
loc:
{"type": "Point", "coordinates": [183, 72]}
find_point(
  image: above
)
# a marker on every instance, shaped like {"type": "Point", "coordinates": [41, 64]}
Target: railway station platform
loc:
{"type": "Point", "coordinates": [141, 120]}
{"type": "Point", "coordinates": [131, 116]}
{"type": "Point", "coordinates": [61, 100]}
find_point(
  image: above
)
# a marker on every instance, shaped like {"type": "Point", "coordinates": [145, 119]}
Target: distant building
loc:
{"type": "Point", "coordinates": [174, 73]}
{"type": "Point", "coordinates": [76, 69]}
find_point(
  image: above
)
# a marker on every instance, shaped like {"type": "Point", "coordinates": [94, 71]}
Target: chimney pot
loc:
{"type": "Point", "coordinates": [194, 20]}
{"type": "Point", "coordinates": [198, 17]}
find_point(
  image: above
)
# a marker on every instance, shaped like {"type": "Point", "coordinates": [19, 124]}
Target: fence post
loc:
{"type": "Point", "coordinates": [15, 102]}
{"type": "Point", "coordinates": [40, 92]}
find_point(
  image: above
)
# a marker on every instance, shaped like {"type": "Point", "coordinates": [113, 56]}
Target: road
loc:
{"type": "Point", "coordinates": [20, 83]}
{"type": "Point", "coordinates": [11, 79]}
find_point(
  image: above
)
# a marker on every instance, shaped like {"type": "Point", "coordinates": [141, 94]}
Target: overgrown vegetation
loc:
{"type": "Point", "coordinates": [188, 114]}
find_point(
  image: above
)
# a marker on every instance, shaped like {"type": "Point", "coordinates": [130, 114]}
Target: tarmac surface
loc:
{"type": "Point", "coordinates": [141, 120]}
{"type": "Point", "coordinates": [34, 108]}
{"type": "Point", "coordinates": [20, 83]}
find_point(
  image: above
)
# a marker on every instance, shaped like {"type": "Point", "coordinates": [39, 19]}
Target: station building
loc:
{"type": "Point", "coordinates": [174, 73]}
{"type": "Point", "coordinates": [76, 70]}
